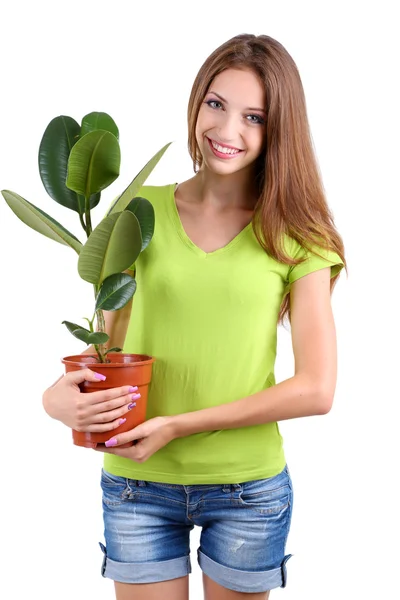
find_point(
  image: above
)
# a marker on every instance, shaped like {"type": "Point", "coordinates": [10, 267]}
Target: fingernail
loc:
{"type": "Point", "coordinates": [135, 396]}
{"type": "Point", "coordinates": [112, 442]}
{"type": "Point", "coordinates": [133, 389]}
{"type": "Point", "coordinates": [130, 406]}
{"type": "Point", "coordinates": [122, 421]}
{"type": "Point", "coordinates": [100, 376]}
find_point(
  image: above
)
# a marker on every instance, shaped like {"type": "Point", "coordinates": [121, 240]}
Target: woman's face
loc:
{"type": "Point", "coordinates": [230, 127]}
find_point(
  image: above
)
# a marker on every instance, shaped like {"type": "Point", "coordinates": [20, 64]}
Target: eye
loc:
{"type": "Point", "coordinates": [214, 104]}
{"type": "Point", "coordinates": [255, 119]}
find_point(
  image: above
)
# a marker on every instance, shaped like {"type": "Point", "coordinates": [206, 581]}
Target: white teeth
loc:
{"type": "Point", "coordinates": [223, 149]}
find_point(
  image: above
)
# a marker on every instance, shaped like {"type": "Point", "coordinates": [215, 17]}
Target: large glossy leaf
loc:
{"type": "Point", "coordinates": [127, 195]}
{"type": "Point", "coordinates": [38, 220]}
{"type": "Point", "coordinates": [116, 292]}
{"type": "Point", "coordinates": [98, 120]}
{"type": "Point", "coordinates": [60, 136]}
{"type": "Point", "coordinates": [112, 247]}
{"type": "Point", "coordinates": [93, 201]}
{"type": "Point", "coordinates": [144, 211]}
{"type": "Point", "coordinates": [93, 163]}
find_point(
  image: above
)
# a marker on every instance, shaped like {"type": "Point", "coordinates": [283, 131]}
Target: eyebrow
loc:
{"type": "Point", "coordinates": [226, 101]}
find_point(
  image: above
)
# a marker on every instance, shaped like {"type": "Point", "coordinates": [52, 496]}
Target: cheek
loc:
{"type": "Point", "coordinates": [205, 122]}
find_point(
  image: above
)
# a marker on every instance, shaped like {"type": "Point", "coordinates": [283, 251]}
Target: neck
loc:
{"type": "Point", "coordinates": [237, 189]}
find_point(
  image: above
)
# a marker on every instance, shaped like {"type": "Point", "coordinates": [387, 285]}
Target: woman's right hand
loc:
{"type": "Point", "coordinates": [92, 412]}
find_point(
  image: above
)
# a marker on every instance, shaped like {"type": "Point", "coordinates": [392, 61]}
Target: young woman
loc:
{"type": "Point", "coordinates": [246, 242]}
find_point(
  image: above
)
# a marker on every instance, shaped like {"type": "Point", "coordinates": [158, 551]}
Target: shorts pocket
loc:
{"type": "Point", "coordinates": [266, 496]}
{"type": "Point", "coordinates": [113, 487]}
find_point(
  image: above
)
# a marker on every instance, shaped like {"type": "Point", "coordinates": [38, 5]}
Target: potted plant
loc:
{"type": "Point", "coordinates": [76, 163]}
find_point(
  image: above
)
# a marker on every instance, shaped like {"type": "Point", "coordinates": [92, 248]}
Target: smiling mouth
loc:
{"type": "Point", "coordinates": [223, 149]}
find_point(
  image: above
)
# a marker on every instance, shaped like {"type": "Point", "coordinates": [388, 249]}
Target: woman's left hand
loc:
{"type": "Point", "coordinates": [150, 435]}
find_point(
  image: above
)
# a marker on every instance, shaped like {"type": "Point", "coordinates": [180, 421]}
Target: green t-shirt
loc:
{"type": "Point", "coordinates": [210, 320]}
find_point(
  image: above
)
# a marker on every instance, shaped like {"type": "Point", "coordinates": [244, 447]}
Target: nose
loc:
{"type": "Point", "coordinates": [228, 129]}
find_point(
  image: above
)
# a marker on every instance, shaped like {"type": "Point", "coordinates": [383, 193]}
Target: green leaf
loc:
{"type": "Point", "coordinates": [144, 211]}
{"type": "Point", "coordinates": [116, 292]}
{"type": "Point", "coordinates": [60, 136]}
{"type": "Point", "coordinates": [112, 247]}
{"type": "Point", "coordinates": [98, 120]}
{"type": "Point", "coordinates": [122, 201]}
{"type": "Point", "coordinates": [38, 220]}
{"type": "Point", "coordinates": [94, 200]}
{"type": "Point", "coordinates": [84, 335]}
{"type": "Point", "coordinates": [114, 350]}
{"type": "Point", "coordinates": [93, 163]}
{"type": "Point", "coordinates": [73, 326]}
{"type": "Point", "coordinates": [98, 337]}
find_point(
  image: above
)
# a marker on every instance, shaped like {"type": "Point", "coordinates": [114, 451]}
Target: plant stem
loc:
{"type": "Point", "coordinates": [88, 217]}
{"type": "Point", "coordinates": [100, 348]}
{"type": "Point", "coordinates": [101, 326]}
{"type": "Point", "coordinates": [82, 221]}
{"type": "Point", "coordinates": [100, 321]}
{"type": "Point", "coordinates": [96, 347]}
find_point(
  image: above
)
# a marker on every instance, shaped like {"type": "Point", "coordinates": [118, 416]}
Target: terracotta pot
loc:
{"type": "Point", "coordinates": [123, 369]}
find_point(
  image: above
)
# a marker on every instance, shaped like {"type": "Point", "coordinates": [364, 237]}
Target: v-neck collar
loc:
{"type": "Point", "coordinates": [176, 219]}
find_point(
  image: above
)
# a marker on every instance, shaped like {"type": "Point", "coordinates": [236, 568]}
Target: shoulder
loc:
{"type": "Point", "coordinates": [156, 193]}
{"type": "Point", "coordinates": [297, 251]}
{"type": "Point", "coordinates": [310, 259]}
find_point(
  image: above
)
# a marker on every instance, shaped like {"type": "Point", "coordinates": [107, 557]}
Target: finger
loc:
{"type": "Point", "coordinates": [102, 427]}
{"type": "Point", "coordinates": [113, 393]}
{"type": "Point", "coordinates": [111, 405]}
{"type": "Point", "coordinates": [104, 412]}
{"type": "Point", "coordinates": [82, 375]}
{"type": "Point", "coordinates": [137, 433]}
{"type": "Point", "coordinates": [108, 416]}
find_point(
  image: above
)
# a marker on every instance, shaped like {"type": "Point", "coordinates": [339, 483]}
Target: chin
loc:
{"type": "Point", "coordinates": [227, 168]}
{"type": "Point", "coordinates": [221, 169]}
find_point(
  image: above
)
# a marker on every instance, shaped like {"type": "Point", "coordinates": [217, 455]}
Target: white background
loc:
{"type": "Point", "coordinates": [137, 61]}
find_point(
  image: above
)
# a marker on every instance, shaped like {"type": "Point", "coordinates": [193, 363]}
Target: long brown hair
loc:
{"type": "Point", "coordinates": [291, 196]}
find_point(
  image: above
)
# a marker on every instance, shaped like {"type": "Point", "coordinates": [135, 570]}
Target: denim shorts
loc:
{"type": "Point", "coordinates": [242, 542]}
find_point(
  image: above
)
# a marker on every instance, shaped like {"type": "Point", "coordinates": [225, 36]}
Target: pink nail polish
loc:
{"type": "Point", "coordinates": [135, 396]}
{"type": "Point", "coordinates": [132, 405]}
{"type": "Point", "coordinates": [122, 421]}
{"type": "Point", "coordinates": [133, 389]}
{"type": "Point", "coordinates": [112, 442]}
{"type": "Point", "coordinates": [100, 376]}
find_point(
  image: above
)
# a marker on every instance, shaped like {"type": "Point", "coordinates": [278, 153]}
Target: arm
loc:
{"type": "Point", "coordinates": [309, 392]}
{"type": "Point", "coordinates": [311, 389]}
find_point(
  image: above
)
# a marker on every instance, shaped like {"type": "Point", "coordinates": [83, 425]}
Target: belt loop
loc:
{"type": "Point", "coordinates": [226, 488]}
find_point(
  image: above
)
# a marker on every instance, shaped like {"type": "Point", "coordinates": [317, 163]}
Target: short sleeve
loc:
{"type": "Point", "coordinates": [315, 259]}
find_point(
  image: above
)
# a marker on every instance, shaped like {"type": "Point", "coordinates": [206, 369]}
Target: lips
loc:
{"type": "Point", "coordinates": [223, 150]}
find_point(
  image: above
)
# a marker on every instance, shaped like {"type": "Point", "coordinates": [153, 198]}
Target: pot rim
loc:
{"type": "Point", "coordinates": [76, 359]}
